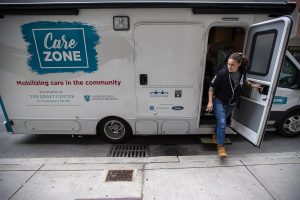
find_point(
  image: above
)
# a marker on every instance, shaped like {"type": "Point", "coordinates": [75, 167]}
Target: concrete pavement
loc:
{"type": "Point", "coordinates": [249, 176]}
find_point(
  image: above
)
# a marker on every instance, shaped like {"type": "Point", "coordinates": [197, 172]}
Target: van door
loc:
{"type": "Point", "coordinates": [265, 47]}
{"type": "Point", "coordinates": [168, 69]}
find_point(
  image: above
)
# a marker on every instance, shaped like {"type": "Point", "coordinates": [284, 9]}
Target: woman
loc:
{"type": "Point", "coordinates": [223, 93]}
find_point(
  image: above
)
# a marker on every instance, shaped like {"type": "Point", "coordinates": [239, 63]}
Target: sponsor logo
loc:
{"type": "Point", "coordinates": [109, 97]}
{"type": "Point", "coordinates": [87, 98]}
{"type": "Point", "coordinates": [177, 108]}
{"type": "Point", "coordinates": [280, 100]}
{"type": "Point", "coordinates": [161, 93]}
{"type": "Point", "coordinates": [57, 47]}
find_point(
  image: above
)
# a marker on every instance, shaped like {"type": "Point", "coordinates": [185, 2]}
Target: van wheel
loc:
{"type": "Point", "coordinates": [290, 125]}
{"type": "Point", "coordinates": [114, 129]}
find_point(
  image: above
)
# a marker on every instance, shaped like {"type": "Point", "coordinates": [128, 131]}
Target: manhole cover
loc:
{"type": "Point", "coordinates": [128, 150]}
{"type": "Point", "coordinates": [119, 175]}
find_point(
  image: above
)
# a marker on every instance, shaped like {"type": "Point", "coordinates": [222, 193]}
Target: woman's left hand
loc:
{"type": "Point", "coordinates": [256, 85]}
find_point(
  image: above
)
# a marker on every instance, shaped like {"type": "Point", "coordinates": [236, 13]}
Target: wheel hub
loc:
{"type": "Point", "coordinates": [114, 129]}
{"type": "Point", "coordinates": [292, 124]}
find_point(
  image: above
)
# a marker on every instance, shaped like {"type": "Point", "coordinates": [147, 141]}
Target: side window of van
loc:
{"type": "Point", "coordinates": [288, 74]}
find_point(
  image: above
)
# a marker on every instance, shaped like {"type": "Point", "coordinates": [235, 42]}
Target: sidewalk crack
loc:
{"type": "Point", "coordinates": [35, 172]}
{"type": "Point", "coordinates": [143, 180]}
{"type": "Point", "coordinates": [25, 182]}
{"type": "Point", "coordinates": [15, 192]}
{"type": "Point", "coordinates": [258, 180]}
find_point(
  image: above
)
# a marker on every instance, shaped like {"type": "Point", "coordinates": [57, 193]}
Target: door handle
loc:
{"type": "Point", "coordinates": [143, 79]}
{"type": "Point", "coordinates": [264, 90]}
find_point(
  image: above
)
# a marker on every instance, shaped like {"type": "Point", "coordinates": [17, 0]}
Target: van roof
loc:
{"type": "Point", "coordinates": [273, 7]}
{"type": "Point", "coordinates": [143, 1]}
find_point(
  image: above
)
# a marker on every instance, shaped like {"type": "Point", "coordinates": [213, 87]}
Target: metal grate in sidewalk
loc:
{"type": "Point", "coordinates": [129, 150]}
{"type": "Point", "coordinates": [119, 175]}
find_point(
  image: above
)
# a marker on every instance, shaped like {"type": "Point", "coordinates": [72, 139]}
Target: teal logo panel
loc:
{"type": "Point", "coordinates": [279, 100]}
{"type": "Point", "coordinates": [58, 47]}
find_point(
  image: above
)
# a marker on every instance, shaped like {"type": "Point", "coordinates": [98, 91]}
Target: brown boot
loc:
{"type": "Point", "coordinates": [214, 138]}
{"type": "Point", "coordinates": [221, 151]}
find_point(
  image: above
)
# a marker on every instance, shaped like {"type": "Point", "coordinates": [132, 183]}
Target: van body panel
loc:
{"type": "Point", "coordinates": [168, 54]}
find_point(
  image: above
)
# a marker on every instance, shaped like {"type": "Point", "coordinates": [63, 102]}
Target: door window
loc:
{"type": "Point", "coordinates": [261, 52]}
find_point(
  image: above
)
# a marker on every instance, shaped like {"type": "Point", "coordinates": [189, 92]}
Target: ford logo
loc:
{"type": "Point", "coordinates": [177, 108]}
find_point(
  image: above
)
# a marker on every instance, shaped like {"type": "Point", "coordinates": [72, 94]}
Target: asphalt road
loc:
{"type": "Point", "coordinates": [41, 146]}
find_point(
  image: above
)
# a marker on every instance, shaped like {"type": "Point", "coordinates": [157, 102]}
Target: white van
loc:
{"type": "Point", "coordinates": [122, 68]}
{"type": "Point", "coordinates": [285, 113]}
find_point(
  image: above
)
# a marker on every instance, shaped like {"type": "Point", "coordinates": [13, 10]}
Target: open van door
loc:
{"type": "Point", "coordinates": [265, 47]}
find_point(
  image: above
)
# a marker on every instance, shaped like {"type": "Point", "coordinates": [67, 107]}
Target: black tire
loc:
{"type": "Point", "coordinates": [114, 129]}
{"type": "Point", "coordinates": [290, 124]}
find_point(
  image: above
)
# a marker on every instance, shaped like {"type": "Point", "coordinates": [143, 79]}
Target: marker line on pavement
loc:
{"type": "Point", "coordinates": [34, 173]}
{"type": "Point", "coordinates": [258, 180]}
{"type": "Point", "coordinates": [25, 182]}
{"type": "Point", "coordinates": [15, 192]}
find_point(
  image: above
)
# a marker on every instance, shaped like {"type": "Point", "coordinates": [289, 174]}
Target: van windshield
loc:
{"type": "Point", "coordinates": [288, 74]}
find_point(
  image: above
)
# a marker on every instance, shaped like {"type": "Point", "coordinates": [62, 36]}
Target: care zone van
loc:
{"type": "Point", "coordinates": [285, 112]}
{"type": "Point", "coordinates": [122, 68]}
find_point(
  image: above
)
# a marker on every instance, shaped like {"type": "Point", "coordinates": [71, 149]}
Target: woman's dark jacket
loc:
{"type": "Point", "coordinates": [224, 87]}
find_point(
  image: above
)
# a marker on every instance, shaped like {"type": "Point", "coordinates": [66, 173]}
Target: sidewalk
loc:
{"type": "Point", "coordinates": [249, 176]}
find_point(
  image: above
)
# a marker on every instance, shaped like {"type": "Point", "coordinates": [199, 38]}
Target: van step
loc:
{"type": "Point", "coordinates": [208, 140]}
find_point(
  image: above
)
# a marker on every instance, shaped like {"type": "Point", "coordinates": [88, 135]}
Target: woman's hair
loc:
{"type": "Point", "coordinates": [239, 58]}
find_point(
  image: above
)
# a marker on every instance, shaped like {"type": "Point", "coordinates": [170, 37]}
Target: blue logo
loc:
{"type": "Point", "coordinates": [151, 107]}
{"type": "Point", "coordinates": [57, 47]}
{"type": "Point", "coordinates": [177, 108]}
{"type": "Point", "coordinates": [87, 98]}
{"type": "Point", "coordinates": [279, 100]}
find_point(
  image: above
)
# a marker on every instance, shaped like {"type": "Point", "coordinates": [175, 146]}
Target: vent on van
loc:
{"type": "Point", "coordinates": [129, 150]}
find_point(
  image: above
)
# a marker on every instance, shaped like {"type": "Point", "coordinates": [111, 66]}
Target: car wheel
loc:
{"type": "Point", "coordinates": [290, 125]}
{"type": "Point", "coordinates": [114, 129]}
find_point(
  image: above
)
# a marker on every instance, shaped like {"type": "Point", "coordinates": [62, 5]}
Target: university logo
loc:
{"type": "Point", "coordinates": [87, 98]}
{"type": "Point", "coordinates": [57, 47]}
